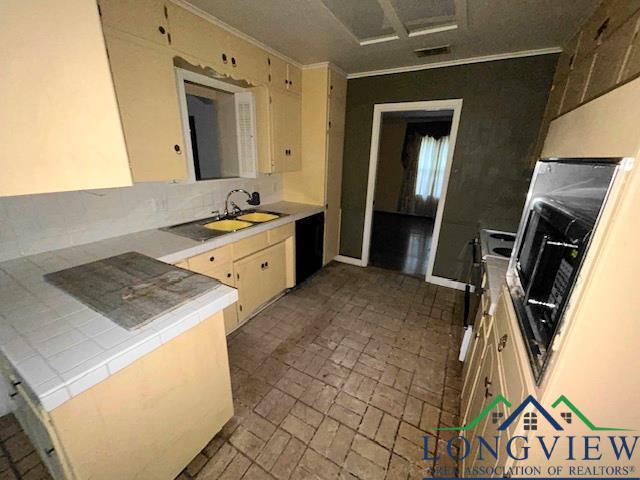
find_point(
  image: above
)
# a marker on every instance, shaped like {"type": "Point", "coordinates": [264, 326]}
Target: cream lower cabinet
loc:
{"type": "Point", "coordinates": [260, 266]}
{"type": "Point", "coordinates": [147, 421]}
{"type": "Point", "coordinates": [497, 364]}
{"type": "Point", "coordinates": [260, 277]}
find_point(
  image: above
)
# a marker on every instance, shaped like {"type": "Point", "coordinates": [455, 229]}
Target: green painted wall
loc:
{"type": "Point", "coordinates": [503, 103]}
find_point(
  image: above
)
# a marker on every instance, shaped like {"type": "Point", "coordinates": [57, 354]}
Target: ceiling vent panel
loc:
{"type": "Point", "coordinates": [432, 51]}
{"type": "Point", "coordinates": [422, 17]}
{"type": "Point", "coordinates": [364, 19]}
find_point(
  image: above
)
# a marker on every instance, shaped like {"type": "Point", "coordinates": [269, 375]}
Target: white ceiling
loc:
{"type": "Point", "coordinates": [308, 32]}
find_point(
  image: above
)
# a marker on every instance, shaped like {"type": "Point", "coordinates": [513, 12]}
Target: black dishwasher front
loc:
{"type": "Point", "coordinates": [309, 246]}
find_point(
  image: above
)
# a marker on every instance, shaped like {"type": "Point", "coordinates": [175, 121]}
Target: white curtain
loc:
{"type": "Point", "coordinates": [432, 161]}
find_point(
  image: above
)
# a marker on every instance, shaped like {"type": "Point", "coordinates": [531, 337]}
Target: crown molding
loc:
{"type": "Point", "coordinates": [330, 65]}
{"type": "Point", "coordinates": [216, 21]}
{"type": "Point", "coordinates": [462, 61]}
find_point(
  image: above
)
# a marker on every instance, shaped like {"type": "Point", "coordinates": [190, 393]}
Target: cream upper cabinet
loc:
{"type": "Point", "coordinates": [250, 62]}
{"type": "Point", "coordinates": [196, 37]}
{"type": "Point", "coordinates": [294, 79]}
{"type": "Point", "coordinates": [61, 128]}
{"type": "Point", "coordinates": [263, 129]}
{"type": "Point", "coordinates": [286, 130]}
{"type": "Point", "coordinates": [145, 85]}
{"type": "Point", "coordinates": [277, 72]}
{"type": "Point", "coordinates": [142, 18]}
{"type": "Point", "coordinates": [283, 75]}
{"type": "Point", "coordinates": [278, 124]}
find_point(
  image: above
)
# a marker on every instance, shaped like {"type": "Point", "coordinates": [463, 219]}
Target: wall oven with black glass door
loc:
{"type": "Point", "coordinates": [564, 203]}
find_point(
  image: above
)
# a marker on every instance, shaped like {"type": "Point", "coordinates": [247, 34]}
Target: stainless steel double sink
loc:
{"type": "Point", "coordinates": [217, 225]}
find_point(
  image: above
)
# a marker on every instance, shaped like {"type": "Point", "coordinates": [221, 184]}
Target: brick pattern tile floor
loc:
{"type": "Point", "coordinates": [339, 379]}
{"type": "Point", "coordinates": [18, 458]}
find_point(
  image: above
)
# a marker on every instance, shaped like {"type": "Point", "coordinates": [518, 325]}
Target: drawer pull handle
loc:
{"type": "Point", "coordinates": [212, 258]}
{"type": "Point", "coordinates": [503, 342]}
{"type": "Point", "coordinates": [487, 393]}
{"type": "Point", "coordinates": [162, 30]}
{"type": "Point", "coordinates": [228, 275]}
{"type": "Point", "coordinates": [13, 394]}
{"type": "Point", "coordinates": [49, 451]}
{"type": "Point", "coordinates": [487, 382]}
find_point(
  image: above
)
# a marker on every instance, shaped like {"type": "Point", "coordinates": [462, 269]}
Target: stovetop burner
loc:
{"type": "Point", "coordinates": [503, 251]}
{"type": "Point", "coordinates": [496, 244]}
{"type": "Point", "coordinates": [503, 236]}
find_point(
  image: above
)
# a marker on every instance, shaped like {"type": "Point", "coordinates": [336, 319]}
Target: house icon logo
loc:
{"type": "Point", "coordinates": [533, 412]}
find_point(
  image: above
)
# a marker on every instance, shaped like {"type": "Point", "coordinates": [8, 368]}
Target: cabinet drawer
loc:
{"type": "Point", "coordinates": [277, 235]}
{"type": "Point", "coordinates": [224, 274]}
{"type": "Point", "coordinates": [250, 245]}
{"type": "Point", "coordinates": [507, 347]}
{"type": "Point", "coordinates": [210, 260]}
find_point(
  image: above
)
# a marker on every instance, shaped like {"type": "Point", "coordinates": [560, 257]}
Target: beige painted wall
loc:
{"type": "Point", "coordinates": [390, 171]}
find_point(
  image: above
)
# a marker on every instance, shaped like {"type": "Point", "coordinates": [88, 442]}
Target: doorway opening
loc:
{"type": "Point", "coordinates": [412, 149]}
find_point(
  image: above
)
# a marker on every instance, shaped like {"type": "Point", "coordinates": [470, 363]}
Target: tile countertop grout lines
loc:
{"type": "Point", "coordinates": [59, 347]}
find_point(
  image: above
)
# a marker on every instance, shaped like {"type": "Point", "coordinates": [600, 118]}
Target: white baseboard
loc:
{"type": "Point", "coordinates": [447, 282]}
{"type": "Point", "coordinates": [350, 260]}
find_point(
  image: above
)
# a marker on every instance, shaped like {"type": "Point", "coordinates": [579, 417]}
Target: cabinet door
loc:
{"type": "Point", "coordinates": [512, 356]}
{"type": "Point", "coordinates": [259, 277]}
{"type": "Point", "coordinates": [279, 130]}
{"type": "Point", "coordinates": [142, 18]}
{"type": "Point", "coordinates": [251, 62]}
{"type": "Point", "coordinates": [486, 387]}
{"type": "Point", "coordinates": [145, 85]}
{"type": "Point", "coordinates": [277, 72]}
{"type": "Point", "coordinates": [472, 366]}
{"type": "Point", "coordinates": [199, 38]}
{"type": "Point", "coordinates": [294, 79]}
{"type": "Point", "coordinates": [38, 429]}
{"type": "Point", "coordinates": [286, 131]}
{"type": "Point", "coordinates": [263, 129]}
{"type": "Point", "coordinates": [333, 180]}
{"type": "Point", "coordinates": [61, 128]}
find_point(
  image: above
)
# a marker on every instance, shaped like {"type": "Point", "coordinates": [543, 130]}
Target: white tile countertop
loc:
{"type": "Point", "coordinates": [59, 347]}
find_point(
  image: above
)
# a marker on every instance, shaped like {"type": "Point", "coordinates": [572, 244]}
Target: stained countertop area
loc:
{"type": "Point", "coordinates": [57, 347]}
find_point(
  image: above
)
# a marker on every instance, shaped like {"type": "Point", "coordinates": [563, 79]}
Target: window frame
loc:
{"type": "Point", "coordinates": [183, 75]}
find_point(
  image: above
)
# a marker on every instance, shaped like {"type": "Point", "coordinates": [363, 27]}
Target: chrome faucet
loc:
{"type": "Point", "coordinates": [254, 199]}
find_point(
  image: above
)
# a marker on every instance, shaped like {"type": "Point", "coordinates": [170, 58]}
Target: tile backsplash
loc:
{"type": "Point", "coordinates": [32, 224]}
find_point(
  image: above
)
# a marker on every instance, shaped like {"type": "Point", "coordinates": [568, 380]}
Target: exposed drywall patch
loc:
{"type": "Point", "coordinates": [207, 71]}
